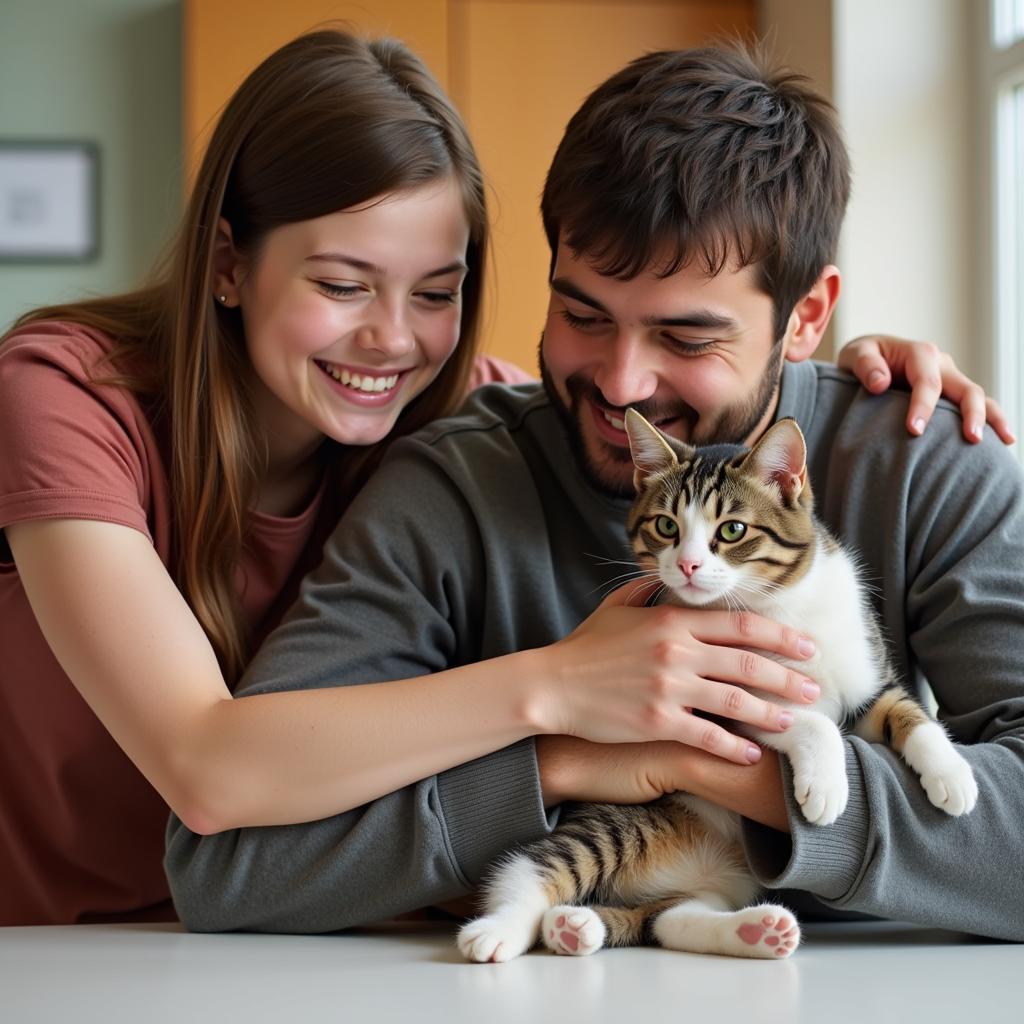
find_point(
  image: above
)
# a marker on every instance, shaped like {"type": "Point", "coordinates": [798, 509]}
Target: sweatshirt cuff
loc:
{"type": "Point", "coordinates": [492, 804]}
{"type": "Point", "coordinates": [825, 860]}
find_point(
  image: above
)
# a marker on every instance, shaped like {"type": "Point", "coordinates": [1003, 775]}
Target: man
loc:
{"type": "Point", "coordinates": [693, 210]}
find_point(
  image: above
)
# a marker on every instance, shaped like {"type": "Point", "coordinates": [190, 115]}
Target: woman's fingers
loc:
{"type": "Point", "coordinates": [744, 668]}
{"type": "Point", "coordinates": [746, 629]}
{"type": "Point", "coordinates": [864, 359]}
{"type": "Point", "coordinates": [877, 359]}
{"type": "Point", "coordinates": [998, 422]}
{"type": "Point", "coordinates": [924, 375]}
{"type": "Point", "coordinates": [706, 735]}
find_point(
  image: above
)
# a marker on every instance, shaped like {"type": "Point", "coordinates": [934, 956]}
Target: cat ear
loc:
{"type": "Point", "coordinates": [780, 458]}
{"type": "Point", "coordinates": [651, 452]}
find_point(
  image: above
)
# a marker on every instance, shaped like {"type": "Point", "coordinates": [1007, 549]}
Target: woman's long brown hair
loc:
{"type": "Point", "coordinates": [327, 122]}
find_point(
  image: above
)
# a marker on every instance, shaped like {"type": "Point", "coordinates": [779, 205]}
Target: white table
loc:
{"type": "Point", "coordinates": [862, 973]}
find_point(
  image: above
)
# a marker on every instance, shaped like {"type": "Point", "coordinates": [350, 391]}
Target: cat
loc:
{"type": "Point", "coordinates": [721, 527]}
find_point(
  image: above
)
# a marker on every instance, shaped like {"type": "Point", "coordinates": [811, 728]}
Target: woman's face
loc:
{"type": "Point", "coordinates": [349, 316]}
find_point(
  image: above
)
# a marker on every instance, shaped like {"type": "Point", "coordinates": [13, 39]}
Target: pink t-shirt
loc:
{"type": "Point", "coordinates": [81, 831]}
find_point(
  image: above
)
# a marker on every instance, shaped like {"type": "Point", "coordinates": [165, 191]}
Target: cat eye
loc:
{"type": "Point", "coordinates": [666, 527]}
{"type": "Point", "coordinates": [731, 532]}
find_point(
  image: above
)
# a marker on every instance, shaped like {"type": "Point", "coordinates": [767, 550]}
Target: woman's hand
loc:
{"type": "Point", "coordinates": [631, 674]}
{"type": "Point", "coordinates": [876, 358]}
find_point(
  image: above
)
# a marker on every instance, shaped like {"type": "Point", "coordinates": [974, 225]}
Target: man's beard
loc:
{"type": "Point", "coordinates": [613, 474]}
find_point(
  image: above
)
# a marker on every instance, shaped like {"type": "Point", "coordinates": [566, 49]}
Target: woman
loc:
{"type": "Point", "coordinates": [174, 458]}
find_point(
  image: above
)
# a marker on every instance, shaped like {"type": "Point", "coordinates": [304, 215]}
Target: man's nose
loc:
{"type": "Point", "coordinates": [626, 375]}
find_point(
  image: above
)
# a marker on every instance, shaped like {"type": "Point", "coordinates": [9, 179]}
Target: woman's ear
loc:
{"type": "Point", "coordinates": [811, 315]}
{"type": "Point", "coordinates": [226, 266]}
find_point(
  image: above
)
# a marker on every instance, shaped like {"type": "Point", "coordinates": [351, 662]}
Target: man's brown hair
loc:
{"type": "Point", "coordinates": [709, 155]}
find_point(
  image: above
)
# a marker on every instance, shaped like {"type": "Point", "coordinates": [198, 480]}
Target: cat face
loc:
{"type": "Point", "coordinates": [721, 525]}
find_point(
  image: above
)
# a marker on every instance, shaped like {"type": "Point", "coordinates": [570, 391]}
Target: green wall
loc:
{"type": "Point", "coordinates": [109, 71]}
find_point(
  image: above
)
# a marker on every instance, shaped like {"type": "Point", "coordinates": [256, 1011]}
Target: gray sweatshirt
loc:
{"type": "Point", "coordinates": [479, 537]}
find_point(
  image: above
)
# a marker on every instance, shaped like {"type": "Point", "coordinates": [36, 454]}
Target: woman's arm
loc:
{"type": "Point", "coordinates": [124, 634]}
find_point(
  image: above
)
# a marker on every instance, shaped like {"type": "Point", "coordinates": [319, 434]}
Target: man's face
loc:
{"type": "Point", "coordinates": [693, 354]}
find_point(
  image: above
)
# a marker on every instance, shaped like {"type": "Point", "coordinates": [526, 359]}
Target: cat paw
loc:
{"type": "Point", "coordinates": [572, 931]}
{"type": "Point", "coordinates": [766, 932]}
{"type": "Point", "coordinates": [952, 788]}
{"type": "Point", "coordinates": [821, 799]}
{"type": "Point", "coordinates": [494, 939]}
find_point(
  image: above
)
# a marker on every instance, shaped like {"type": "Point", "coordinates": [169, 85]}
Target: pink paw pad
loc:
{"type": "Point", "coordinates": [780, 934]}
{"type": "Point", "coordinates": [568, 938]}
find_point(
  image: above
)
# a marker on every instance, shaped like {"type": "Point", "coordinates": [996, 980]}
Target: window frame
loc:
{"type": "Point", "coordinates": [1002, 150]}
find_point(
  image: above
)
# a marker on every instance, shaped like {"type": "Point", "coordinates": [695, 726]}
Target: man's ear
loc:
{"type": "Point", "coordinates": [227, 266]}
{"type": "Point", "coordinates": [811, 315]}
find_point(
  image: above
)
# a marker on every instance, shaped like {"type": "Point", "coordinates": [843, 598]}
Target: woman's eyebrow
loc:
{"type": "Point", "coordinates": [352, 261]}
{"type": "Point", "coordinates": [373, 268]}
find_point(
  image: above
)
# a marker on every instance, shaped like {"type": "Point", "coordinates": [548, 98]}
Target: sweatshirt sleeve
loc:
{"type": "Point", "coordinates": [393, 598]}
{"type": "Point", "coordinates": [959, 540]}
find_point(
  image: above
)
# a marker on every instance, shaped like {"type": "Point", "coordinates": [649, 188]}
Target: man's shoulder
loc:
{"type": "Point", "coordinates": [852, 429]}
{"type": "Point", "coordinates": [491, 411]}
{"type": "Point", "coordinates": [498, 460]}
{"type": "Point", "coordinates": [844, 409]}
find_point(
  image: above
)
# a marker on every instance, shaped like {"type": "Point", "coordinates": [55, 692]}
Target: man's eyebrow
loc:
{"type": "Point", "coordinates": [699, 318]}
{"type": "Point", "coordinates": [565, 287]}
{"type": "Point", "coordinates": [372, 268]}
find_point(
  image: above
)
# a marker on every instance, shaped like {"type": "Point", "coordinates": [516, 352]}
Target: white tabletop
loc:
{"type": "Point", "coordinates": [863, 973]}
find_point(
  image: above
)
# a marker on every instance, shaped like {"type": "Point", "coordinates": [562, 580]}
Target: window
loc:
{"type": "Point", "coordinates": [1007, 22]}
{"type": "Point", "coordinates": [1004, 94]}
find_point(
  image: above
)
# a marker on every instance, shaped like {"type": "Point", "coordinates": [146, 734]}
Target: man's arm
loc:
{"type": "Point", "coordinates": [392, 605]}
{"type": "Point", "coordinates": [949, 560]}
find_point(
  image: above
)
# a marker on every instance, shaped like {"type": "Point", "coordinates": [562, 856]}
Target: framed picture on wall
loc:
{"type": "Point", "coordinates": [49, 201]}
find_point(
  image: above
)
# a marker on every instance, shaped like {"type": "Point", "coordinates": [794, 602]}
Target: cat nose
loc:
{"type": "Point", "coordinates": [688, 567]}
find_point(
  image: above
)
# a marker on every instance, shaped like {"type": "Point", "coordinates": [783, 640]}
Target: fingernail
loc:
{"type": "Point", "coordinates": [806, 647]}
{"type": "Point", "coordinates": [785, 719]}
{"type": "Point", "coordinates": [975, 431]}
{"type": "Point", "coordinates": [753, 754]}
{"type": "Point", "coordinates": [875, 377]}
{"type": "Point", "coordinates": [917, 426]}
{"type": "Point", "coordinates": [812, 691]}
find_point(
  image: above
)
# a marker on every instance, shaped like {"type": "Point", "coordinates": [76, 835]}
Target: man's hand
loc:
{"type": "Point", "coordinates": [636, 773]}
{"type": "Point", "coordinates": [876, 359]}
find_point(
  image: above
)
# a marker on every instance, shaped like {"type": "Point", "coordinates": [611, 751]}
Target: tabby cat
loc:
{"type": "Point", "coordinates": [722, 528]}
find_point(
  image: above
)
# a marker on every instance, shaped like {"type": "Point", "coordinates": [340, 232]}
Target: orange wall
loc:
{"type": "Point", "coordinates": [516, 69]}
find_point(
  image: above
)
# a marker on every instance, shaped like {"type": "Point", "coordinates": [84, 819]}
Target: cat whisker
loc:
{"type": "Point", "coordinates": [601, 560]}
{"type": "Point", "coordinates": [610, 585]}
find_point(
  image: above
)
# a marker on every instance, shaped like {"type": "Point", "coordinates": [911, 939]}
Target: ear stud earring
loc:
{"type": "Point", "coordinates": [223, 298]}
